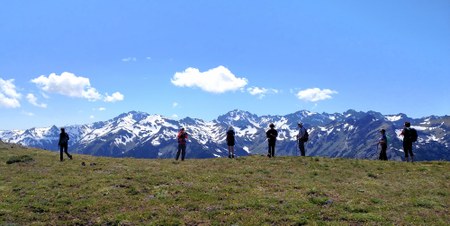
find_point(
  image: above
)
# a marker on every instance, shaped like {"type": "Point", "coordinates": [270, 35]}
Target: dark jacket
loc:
{"type": "Point", "coordinates": [271, 135]}
{"type": "Point", "coordinates": [63, 139]}
{"type": "Point", "coordinates": [230, 138]}
{"type": "Point", "coordinates": [406, 132]}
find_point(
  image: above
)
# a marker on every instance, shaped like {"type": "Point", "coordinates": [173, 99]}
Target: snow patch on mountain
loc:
{"type": "Point", "coordinates": [393, 118]}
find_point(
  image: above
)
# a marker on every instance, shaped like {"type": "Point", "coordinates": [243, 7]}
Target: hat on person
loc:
{"type": "Point", "coordinates": [271, 125]}
{"type": "Point", "coordinates": [300, 123]}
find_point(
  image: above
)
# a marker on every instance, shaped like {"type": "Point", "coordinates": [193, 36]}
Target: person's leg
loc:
{"type": "Point", "coordinates": [272, 149]}
{"type": "Point", "coordinates": [229, 152]}
{"type": "Point", "coordinates": [183, 152]}
{"type": "Point", "coordinates": [405, 149]}
{"type": "Point", "coordinates": [411, 152]}
{"type": "Point", "coordinates": [301, 146]}
{"type": "Point", "coordinates": [61, 157]}
{"type": "Point", "coordinates": [66, 148]}
{"type": "Point", "coordinates": [232, 151]}
{"type": "Point", "coordinates": [408, 151]}
{"type": "Point", "coordinates": [269, 151]}
{"type": "Point", "coordinates": [384, 152]}
{"type": "Point", "coordinates": [178, 152]}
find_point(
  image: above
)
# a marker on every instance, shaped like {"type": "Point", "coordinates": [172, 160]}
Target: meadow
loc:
{"type": "Point", "coordinates": [37, 189]}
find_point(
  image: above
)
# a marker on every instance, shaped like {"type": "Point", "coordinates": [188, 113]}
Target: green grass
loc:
{"type": "Point", "coordinates": [246, 191]}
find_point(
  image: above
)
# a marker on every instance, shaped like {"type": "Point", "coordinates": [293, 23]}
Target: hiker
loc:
{"type": "Point", "coordinates": [302, 137]}
{"type": "Point", "coordinates": [383, 143]}
{"type": "Point", "coordinates": [63, 144]}
{"type": "Point", "coordinates": [181, 137]}
{"type": "Point", "coordinates": [271, 135]}
{"type": "Point", "coordinates": [230, 142]}
{"type": "Point", "coordinates": [409, 136]}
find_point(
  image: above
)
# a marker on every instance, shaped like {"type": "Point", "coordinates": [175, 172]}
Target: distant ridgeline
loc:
{"type": "Point", "coordinates": [351, 134]}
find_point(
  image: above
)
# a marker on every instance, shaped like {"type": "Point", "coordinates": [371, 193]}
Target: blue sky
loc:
{"type": "Point", "coordinates": [76, 62]}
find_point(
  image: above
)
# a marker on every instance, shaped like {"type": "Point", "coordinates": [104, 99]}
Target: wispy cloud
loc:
{"type": "Point", "coordinates": [29, 114]}
{"type": "Point", "coordinates": [32, 99]}
{"type": "Point", "coordinates": [9, 97]}
{"type": "Point", "coordinates": [68, 84]}
{"type": "Point", "coordinates": [216, 80]}
{"type": "Point", "coordinates": [261, 92]}
{"type": "Point", "coordinates": [129, 59]}
{"type": "Point", "coordinates": [175, 104]}
{"type": "Point", "coordinates": [315, 94]}
{"type": "Point", "coordinates": [99, 109]}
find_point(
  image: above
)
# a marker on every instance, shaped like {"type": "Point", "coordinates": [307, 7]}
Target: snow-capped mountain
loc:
{"type": "Point", "coordinates": [351, 134]}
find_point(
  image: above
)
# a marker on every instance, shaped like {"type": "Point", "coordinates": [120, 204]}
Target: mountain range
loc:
{"type": "Point", "coordinates": [352, 134]}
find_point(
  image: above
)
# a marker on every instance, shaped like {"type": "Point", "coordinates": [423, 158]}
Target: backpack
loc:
{"type": "Point", "coordinates": [230, 135]}
{"type": "Point", "coordinates": [413, 134]}
{"type": "Point", "coordinates": [182, 138]}
{"type": "Point", "coordinates": [305, 136]}
{"type": "Point", "coordinates": [63, 139]}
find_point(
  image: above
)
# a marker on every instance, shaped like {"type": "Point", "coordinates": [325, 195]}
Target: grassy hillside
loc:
{"type": "Point", "coordinates": [35, 188]}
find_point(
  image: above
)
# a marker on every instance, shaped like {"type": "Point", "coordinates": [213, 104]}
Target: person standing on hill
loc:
{"type": "Point", "coordinates": [302, 137]}
{"type": "Point", "coordinates": [271, 135]}
{"type": "Point", "coordinates": [409, 136]}
{"type": "Point", "coordinates": [182, 138]}
{"type": "Point", "coordinates": [230, 142]}
{"type": "Point", "coordinates": [63, 144]}
{"type": "Point", "coordinates": [383, 143]}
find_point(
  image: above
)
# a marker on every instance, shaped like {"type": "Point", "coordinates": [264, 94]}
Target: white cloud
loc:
{"type": "Point", "coordinates": [148, 58]}
{"type": "Point", "coordinates": [315, 94]}
{"type": "Point", "coordinates": [175, 104]}
{"type": "Point", "coordinates": [32, 99]}
{"type": "Point", "coordinates": [174, 116]}
{"type": "Point", "coordinates": [261, 92]}
{"type": "Point", "coordinates": [9, 97]}
{"type": "Point", "coordinates": [114, 97]}
{"type": "Point", "coordinates": [129, 59]}
{"type": "Point", "coordinates": [68, 84]}
{"type": "Point", "coordinates": [216, 80]}
{"type": "Point", "coordinates": [102, 109]}
{"type": "Point", "coordinates": [91, 117]}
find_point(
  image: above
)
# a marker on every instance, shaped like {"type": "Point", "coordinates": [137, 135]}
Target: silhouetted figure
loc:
{"type": "Point", "coordinates": [271, 135]}
{"type": "Point", "coordinates": [408, 138]}
{"type": "Point", "coordinates": [230, 142]}
{"type": "Point", "coordinates": [302, 138]}
{"type": "Point", "coordinates": [63, 144]}
{"type": "Point", "coordinates": [383, 143]}
{"type": "Point", "coordinates": [182, 138]}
